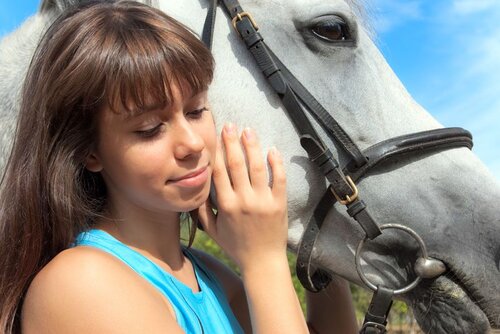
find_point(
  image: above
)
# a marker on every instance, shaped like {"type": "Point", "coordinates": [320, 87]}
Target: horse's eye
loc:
{"type": "Point", "coordinates": [332, 28]}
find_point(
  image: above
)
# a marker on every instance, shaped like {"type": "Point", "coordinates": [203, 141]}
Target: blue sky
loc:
{"type": "Point", "coordinates": [447, 53]}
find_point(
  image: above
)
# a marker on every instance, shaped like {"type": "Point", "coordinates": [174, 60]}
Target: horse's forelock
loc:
{"type": "Point", "coordinates": [364, 11]}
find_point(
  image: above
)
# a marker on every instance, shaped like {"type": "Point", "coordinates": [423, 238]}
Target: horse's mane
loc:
{"type": "Point", "coordinates": [366, 14]}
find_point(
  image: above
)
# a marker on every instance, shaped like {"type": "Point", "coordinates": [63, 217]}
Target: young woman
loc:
{"type": "Point", "coordinates": [115, 139]}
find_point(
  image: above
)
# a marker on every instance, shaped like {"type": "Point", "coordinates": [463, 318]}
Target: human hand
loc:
{"type": "Point", "coordinates": [251, 223]}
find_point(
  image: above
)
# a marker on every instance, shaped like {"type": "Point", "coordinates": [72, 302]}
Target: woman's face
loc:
{"type": "Point", "coordinates": [158, 161]}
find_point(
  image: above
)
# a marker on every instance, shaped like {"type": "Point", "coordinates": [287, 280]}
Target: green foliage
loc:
{"type": "Point", "coordinates": [361, 298]}
{"type": "Point", "coordinates": [205, 243]}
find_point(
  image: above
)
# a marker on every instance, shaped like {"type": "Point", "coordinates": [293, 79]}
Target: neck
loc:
{"type": "Point", "coordinates": [154, 235]}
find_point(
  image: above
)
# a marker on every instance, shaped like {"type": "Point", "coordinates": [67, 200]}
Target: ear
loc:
{"type": "Point", "coordinates": [56, 5]}
{"type": "Point", "coordinates": [61, 5]}
{"type": "Point", "coordinates": [93, 163]}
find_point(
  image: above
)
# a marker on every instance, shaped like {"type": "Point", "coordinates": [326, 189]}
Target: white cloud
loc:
{"type": "Point", "coordinates": [391, 13]}
{"type": "Point", "coordinates": [466, 7]}
{"type": "Point", "coordinates": [463, 86]}
{"type": "Point", "coordinates": [472, 99]}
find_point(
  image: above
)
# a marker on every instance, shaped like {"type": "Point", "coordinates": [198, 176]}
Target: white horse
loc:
{"type": "Point", "coordinates": [449, 198]}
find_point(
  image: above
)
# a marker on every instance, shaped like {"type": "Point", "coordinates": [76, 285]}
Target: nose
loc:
{"type": "Point", "coordinates": [187, 140]}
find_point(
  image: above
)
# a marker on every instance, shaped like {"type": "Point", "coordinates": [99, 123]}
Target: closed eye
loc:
{"type": "Point", "coordinates": [197, 113]}
{"type": "Point", "coordinates": [150, 133]}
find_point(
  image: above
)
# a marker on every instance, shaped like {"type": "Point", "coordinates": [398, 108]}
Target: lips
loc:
{"type": "Point", "coordinates": [193, 179]}
{"type": "Point", "coordinates": [453, 310]}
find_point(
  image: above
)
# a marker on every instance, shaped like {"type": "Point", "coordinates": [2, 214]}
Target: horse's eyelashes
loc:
{"type": "Point", "coordinates": [331, 28]}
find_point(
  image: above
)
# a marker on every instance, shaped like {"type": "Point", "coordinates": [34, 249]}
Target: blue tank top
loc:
{"type": "Point", "coordinates": [203, 312]}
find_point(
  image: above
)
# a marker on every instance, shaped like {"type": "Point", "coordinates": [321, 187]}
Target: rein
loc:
{"type": "Point", "coordinates": [297, 100]}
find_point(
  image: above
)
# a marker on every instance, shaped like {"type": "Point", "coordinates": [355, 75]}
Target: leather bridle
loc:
{"type": "Point", "coordinates": [342, 179]}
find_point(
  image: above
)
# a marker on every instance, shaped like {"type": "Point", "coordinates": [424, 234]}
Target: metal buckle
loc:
{"type": "Point", "coordinates": [348, 199]}
{"type": "Point", "coordinates": [240, 17]}
{"type": "Point", "coordinates": [381, 328]}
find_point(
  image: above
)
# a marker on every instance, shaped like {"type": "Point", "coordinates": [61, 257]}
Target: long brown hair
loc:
{"type": "Point", "coordinates": [121, 55]}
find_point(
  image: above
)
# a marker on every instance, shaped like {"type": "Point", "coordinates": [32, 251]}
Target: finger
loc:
{"type": "Point", "coordinates": [207, 219]}
{"type": "Point", "coordinates": [278, 173]}
{"type": "Point", "coordinates": [220, 175]}
{"type": "Point", "coordinates": [235, 158]}
{"type": "Point", "coordinates": [257, 169]}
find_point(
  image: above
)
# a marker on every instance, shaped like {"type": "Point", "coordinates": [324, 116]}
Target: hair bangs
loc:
{"type": "Point", "coordinates": [151, 56]}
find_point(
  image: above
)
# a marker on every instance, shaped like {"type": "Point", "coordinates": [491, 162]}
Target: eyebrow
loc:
{"type": "Point", "coordinates": [136, 112]}
{"type": "Point", "coordinates": [133, 114]}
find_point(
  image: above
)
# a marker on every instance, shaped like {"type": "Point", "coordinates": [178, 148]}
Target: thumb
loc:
{"type": "Point", "coordinates": [207, 219]}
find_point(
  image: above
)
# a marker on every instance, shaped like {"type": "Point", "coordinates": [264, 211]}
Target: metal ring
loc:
{"type": "Point", "coordinates": [408, 230]}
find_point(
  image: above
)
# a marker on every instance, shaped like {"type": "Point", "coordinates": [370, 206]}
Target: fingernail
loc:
{"type": "Point", "coordinates": [274, 151]}
{"type": "Point", "coordinates": [249, 133]}
{"type": "Point", "coordinates": [230, 128]}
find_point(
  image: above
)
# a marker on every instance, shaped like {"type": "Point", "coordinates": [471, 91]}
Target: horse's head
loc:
{"type": "Point", "coordinates": [447, 197]}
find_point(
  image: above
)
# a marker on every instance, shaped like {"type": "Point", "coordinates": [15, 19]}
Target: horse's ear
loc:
{"type": "Point", "coordinates": [56, 5]}
{"type": "Point", "coordinates": [60, 5]}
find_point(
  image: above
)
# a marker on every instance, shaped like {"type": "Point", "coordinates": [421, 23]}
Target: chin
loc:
{"type": "Point", "coordinates": [194, 202]}
{"type": "Point", "coordinates": [182, 199]}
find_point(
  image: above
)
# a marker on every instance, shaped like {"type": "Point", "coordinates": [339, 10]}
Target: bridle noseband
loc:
{"type": "Point", "coordinates": [296, 99]}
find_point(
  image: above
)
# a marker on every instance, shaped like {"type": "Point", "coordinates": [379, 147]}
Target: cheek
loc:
{"type": "Point", "coordinates": [131, 161]}
{"type": "Point", "coordinates": [145, 159]}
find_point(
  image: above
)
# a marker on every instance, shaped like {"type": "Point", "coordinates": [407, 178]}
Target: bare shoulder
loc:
{"type": "Point", "coordinates": [85, 290]}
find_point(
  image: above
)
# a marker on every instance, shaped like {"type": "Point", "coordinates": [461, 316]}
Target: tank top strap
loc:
{"type": "Point", "coordinates": [104, 241]}
{"type": "Point", "coordinates": [204, 274]}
